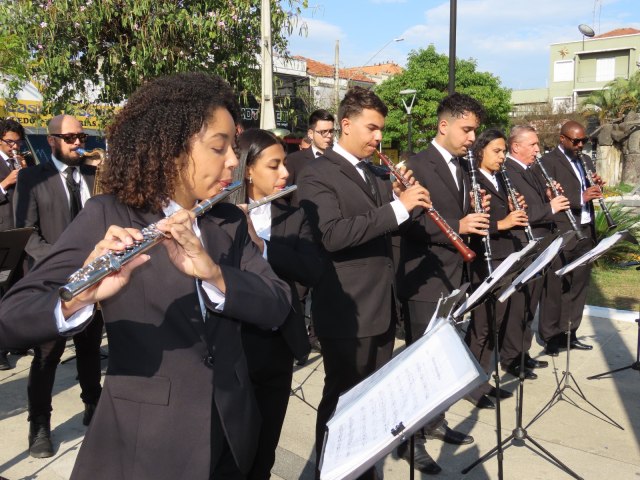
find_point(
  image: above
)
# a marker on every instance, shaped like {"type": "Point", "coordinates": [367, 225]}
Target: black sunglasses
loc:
{"type": "Point", "coordinates": [576, 141]}
{"type": "Point", "coordinates": [70, 137]}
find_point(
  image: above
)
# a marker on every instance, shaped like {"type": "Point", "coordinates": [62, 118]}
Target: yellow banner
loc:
{"type": "Point", "coordinates": [29, 114]}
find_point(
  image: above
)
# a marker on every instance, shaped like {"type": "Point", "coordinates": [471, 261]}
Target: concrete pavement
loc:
{"type": "Point", "coordinates": [576, 433]}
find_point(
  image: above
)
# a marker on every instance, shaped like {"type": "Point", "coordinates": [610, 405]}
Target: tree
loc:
{"type": "Point", "coordinates": [427, 72]}
{"type": "Point", "coordinates": [83, 52]}
{"type": "Point", "coordinates": [618, 98]}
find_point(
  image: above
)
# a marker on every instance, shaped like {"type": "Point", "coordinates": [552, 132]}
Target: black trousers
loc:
{"type": "Point", "coordinates": [563, 298]}
{"type": "Point", "coordinates": [517, 332]}
{"type": "Point", "coordinates": [270, 363]}
{"type": "Point", "coordinates": [45, 362]}
{"type": "Point", "coordinates": [347, 361]}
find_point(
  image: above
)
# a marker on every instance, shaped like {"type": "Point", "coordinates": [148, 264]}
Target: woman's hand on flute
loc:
{"type": "Point", "coordinates": [115, 240]}
{"type": "Point", "coordinates": [186, 250]}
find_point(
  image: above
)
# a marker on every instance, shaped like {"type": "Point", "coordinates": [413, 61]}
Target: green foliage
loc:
{"type": "Point", "coordinates": [88, 51]}
{"type": "Point", "coordinates": [618, 98]}
{"type": "Point", "coordinates": [625, 219]}
{"type": "Point", "coordinates": [428, 73]}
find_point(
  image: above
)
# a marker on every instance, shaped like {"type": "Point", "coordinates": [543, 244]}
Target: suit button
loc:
{"type": "Point", "coordinates": [208, 361]}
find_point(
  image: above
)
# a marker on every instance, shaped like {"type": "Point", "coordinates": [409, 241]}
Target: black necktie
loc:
{"type": "Point", "coordinates": [370, 179]}
{"type": "Point", "coordinates": [581, 172]}
{"type": "Point", "coordinates": [75, 202]}
{"type": "Point", "coordinates": [456, 163]}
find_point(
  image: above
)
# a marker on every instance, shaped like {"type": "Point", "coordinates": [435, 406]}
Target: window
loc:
{"type": "Point", "coordinates": [562, 105]}
{"type": "Point", "coordinates": [563, 71]}
{"type": "Point", "coordinates": [605, 69]}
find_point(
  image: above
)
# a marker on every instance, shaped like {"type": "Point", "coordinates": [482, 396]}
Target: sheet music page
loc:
{"type": "Point", "coordinates": [490, 281]}
{"type": "Point", "coordinates": [604, 245]}
{"type": "Point", "coordinates": [538, 264]}
{"type": "Point", "coordinates": [424, 379]}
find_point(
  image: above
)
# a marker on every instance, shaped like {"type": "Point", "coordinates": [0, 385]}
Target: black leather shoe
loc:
{"type": "Point", "coordinates": [533, 363]}
{"type": "Point", "coordinates": [514, 369]}
{"type": "Point", "coordinates": [578, 345]}
{"type": "Point", "coordinates": [482, 402]}
{"type": "Point", "coordinates": [503, 393]}
{"type": "Point", "coordinates": [4, 361]}
{"type": "Point", "coordinates": [40, 438]}
{"type": "Point", "coordinates": [421, 459]}
{"type": "Point", "coordinates": [552, 349]}
{"type": "Point", "coordinates": [447, 435]}
{"type": "Point", "coordinates": [89, 409]}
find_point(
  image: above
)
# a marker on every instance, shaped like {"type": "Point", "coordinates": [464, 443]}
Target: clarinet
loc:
{"type": "Point", "coordinates": [589, 174]}
{"type": "Point", "coordinates": [555, 193]}
{"type": "Point", "coordinates": [467, 254]}
{"type": "Point", "coordinates": [274, 196]}
{"type": "Point", "coordinates": [110, 262]}
{"type": "Point", "coordinates": [513, 195]}
{"type": "Point", "coordinates": [477, 207]}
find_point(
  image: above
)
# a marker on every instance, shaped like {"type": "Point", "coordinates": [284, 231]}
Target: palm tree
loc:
{"type": "Point", "coordinates": [615, 100]}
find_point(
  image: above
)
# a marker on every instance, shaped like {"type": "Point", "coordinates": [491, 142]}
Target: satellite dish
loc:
{"type": "Point", "coordinates": [586, 30]}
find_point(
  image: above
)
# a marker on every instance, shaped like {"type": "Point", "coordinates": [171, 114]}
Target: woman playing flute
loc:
{"type": "Point", "coordinates": [177, 400]}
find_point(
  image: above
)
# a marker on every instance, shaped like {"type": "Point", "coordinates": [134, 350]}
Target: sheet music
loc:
{"type": "Point", "coordinates": [424, 379]}
{"type": "Point", "coordinates": [604, 245]}
{"type": "Point", "coordinates": [538, 264]}
{"type": "Point", "coordinates": [490, 281]}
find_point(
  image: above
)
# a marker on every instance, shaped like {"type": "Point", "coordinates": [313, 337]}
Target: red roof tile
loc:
{"type": "Point", "coordinates": [319, 69]}
{"type": "Point", "coordinates": [618, 32]}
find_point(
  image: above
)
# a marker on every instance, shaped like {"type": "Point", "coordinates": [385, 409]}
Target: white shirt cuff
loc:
{"type": "Point", "coordinates": [75, 321]}
{"type": "Point", "coordinates": [401, 213]}
{"type": "Point", "coordinates": [215, 295]}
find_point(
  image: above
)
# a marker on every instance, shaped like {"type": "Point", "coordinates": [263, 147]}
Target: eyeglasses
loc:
{"type": "Point", "coordinates": [576, 141]}
{"type": "Point", "coordinates": [12, 143]}
{"type": "Point", "coordinates": [324, 133]}
{"type": "Point", "coordinates": [70, 137]}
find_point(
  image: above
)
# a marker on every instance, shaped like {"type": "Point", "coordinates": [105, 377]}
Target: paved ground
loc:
{"type": "Point", "coordinates": [577, 435]}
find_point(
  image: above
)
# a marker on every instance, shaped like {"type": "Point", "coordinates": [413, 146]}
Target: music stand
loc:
{"type": "Point", "coordinates": [545, 251]}
{"type": "Point", "coordinates": [567, 376]}
{"type": "Point", "coordinates": [500, 279]}
{"type": "Point", "coordinates": [12, 243]}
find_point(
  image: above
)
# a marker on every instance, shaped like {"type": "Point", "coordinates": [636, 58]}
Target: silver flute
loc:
{"type": "Point", "coordinates": [477, 207]}
{"type": "Point", "coordinates": [110, 262]}
{"type": "Point", "coordinates": [550, 182]}
{"type": "Point", "coordinates": [513, 195]}
{"type": "Point", "coordinates": [589, 175]}
{"type": "Point", "coordinates": [274, 196]}
{"type": "Point", "coordinates": [17, 165]}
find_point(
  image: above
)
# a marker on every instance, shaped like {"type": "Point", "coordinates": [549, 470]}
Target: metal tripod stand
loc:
{"type": "Point", "coordinates": [634, 366]}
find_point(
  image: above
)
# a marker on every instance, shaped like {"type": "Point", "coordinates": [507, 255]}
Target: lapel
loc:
{"type": "Point", "coordinates": [55, 190]}
{"type": "Point", "coordinates": [488, 185]}
{"type": "Point", "coordinates": [351, 172]}
{"type": "Point", "coordinates": [278, 220]}
{"type": "Point", "coordinates": [439, 165]}
{"type": "Point", "coordinates": [564, 162]}
{"type": "Point", "coordinates": [4, 168]}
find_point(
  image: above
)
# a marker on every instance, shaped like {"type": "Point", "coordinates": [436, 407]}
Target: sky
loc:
{"type": "Point", "coordinates": [509, 38]}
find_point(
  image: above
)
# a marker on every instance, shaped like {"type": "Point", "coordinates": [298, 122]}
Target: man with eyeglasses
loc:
{"type": "Point", "coordinates": [48, 197]}
{"type": "Point", "coordinates": [11, 137]}
{"type": "Point", "coordinates": [563, 298]}
{"type": "Point", "coordinates": [321, 132]}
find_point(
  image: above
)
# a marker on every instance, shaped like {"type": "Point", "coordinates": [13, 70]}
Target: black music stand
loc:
{"type": "Point", "coordinates": [565, 381]}
{"type": "Point", "coordinates": [12, 243]}
{"type": "Point", "coordinates": [543, 250]}
{"type": "Point", "coordinates": [501, 278]}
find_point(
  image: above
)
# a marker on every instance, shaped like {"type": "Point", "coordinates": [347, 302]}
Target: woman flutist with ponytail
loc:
{"type": "Point", "coordinates": [177, 400]}
{"type": "Point", "coordinates": [489, 152]}
{"type": "Point", "coordinates": [284, 237]}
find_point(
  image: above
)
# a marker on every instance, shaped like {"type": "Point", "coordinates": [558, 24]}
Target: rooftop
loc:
{"type": "Point", "coordinates": [618, 32]}
{"type": "Point", "coordinates": [319, 69]}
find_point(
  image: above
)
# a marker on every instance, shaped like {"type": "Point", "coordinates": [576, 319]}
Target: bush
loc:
{"type": "Point", "coordinates": [625, 219]}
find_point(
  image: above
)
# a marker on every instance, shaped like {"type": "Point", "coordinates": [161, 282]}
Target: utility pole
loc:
{"type": "Point", "coordinates": [267, 110]}
{"type": "Point", "coordinates": [453, 13]}
{"type": "Point", "coordinates": [336, 77]}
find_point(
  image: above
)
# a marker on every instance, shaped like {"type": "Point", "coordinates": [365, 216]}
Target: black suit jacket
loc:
{"type": "Point", "coordinates": [354, 296]}
{"type": "Point", "coordinates": [559, 168]}
{"type": "Point", "coordinates": [297, 259]}
{"type": "Point", "coordinates": [41, 202]}
{"type": "Point", "coordinates": [429, 264]}
{"type": "Point", "coordinates": [532, 187]}
{"type": "Point", "coordinates": [154, 415]}
{"type": "Point", "coordinates": [296, 162]}
{"type": "Point", "coordinates": [6, 200]}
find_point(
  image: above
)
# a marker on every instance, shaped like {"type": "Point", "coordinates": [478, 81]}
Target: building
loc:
{"type": "Point", "coordinates": [580, 67]}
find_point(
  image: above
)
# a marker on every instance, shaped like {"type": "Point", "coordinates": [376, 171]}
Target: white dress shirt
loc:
{"type": "Point", "coordinates": [585, 215]}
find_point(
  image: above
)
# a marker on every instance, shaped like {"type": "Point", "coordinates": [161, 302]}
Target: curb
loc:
{"type": "Point", "coordinates": [610, 313]}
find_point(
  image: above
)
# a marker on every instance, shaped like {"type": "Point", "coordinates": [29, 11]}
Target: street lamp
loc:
{"type": "Point", "coordinates": [408, 108]}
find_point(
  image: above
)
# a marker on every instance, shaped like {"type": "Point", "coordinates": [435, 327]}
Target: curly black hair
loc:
{"type": "Point", "coordinates": [10, 125]}
{"type": "Point", "coordinates": [457, 104]}
{"type": "Point", "coordinates": [150, 135]}
{"type": "Point", "coordinates": [358, 99]}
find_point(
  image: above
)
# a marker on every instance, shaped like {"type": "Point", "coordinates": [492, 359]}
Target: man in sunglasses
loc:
{"type": "Point", "coordinates": [48, 197]}
{"type": "Point", "coordinates": [11, 137]}
{"type": "Point", "coordinates": [563, 298]}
